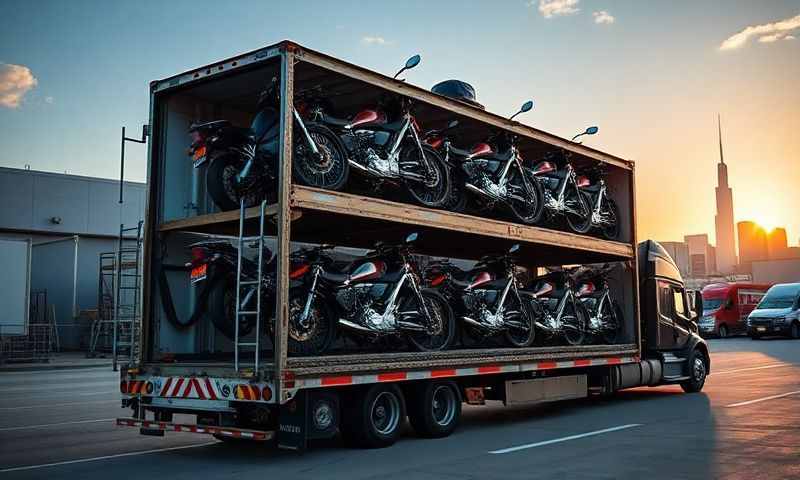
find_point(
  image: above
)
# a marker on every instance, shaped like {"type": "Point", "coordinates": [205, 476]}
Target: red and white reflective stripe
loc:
{"type": "Point", "coordinates": [177, 427]}
{"type": "Point", "coordinates": [332, 381]}
{"type": "Point", "coordinates": [194, 387]}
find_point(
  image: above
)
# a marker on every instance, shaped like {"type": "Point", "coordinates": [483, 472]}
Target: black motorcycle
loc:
{"type": "Point", "coordinates": [384, 145]}
{"type": "Point", "coordinates": [563, 198]}
{"type": "Point", "coordinates": [593, 290]}
{"type": "Point", "coordinates": [558, 311]}
{"type": "Point", "coordinates": [214, 262]}
{"type": "Point", "coordinates": [376, 297]}
{"type": "Point", "coordinates": [486, 298]}
{"type": "Point", "coordinates": [604, 212]}
{"type": "Point", "coordinates": [492, 172]}
{"type": "Point", "coordinates": [243, 162]}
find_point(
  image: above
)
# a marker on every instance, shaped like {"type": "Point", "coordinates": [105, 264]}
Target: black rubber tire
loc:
{"type": "Point", "coordinates": [220, 309]}
{"type": "Point", "coordinates": [582, 316]}
{"type": "Point", "coordinates": [325, 319]}
{"type": "Point", "coordinates": [331, 149]}
{"type": "Point", "coordinates": [612, 232]}
{"type": "Point", "coordinates": [585, 225]}
{"type": "Point", "coordinates": [216, 183]}
{"type": "Point", "coordinates": [722, 332]}
{"type": "Point", "coordinates": [610, 336]}
{"type": "Point", "coordinates": [529, 216]}
{"type": "Point", "coordinates": [420, 192]}
{"type": "Point", "coordinates": [522, 341]}
{"type": "Point", "coordinates": [361, 422]}
{"type": "Point", "coordinates": [457, 199]}
{"type": "Point", "coordinates": [448, 334]}
{"type": "Point", "coordinates": [434, 409]}
{"type": "Point", "coordinates": [698, 370]}
{"type": "Point", "coordinates": [794, 330]}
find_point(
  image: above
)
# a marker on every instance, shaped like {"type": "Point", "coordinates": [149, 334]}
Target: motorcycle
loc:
{"type": "Point", "coordinates": [604, 212]}
{"type": "Point", "coordinates": [486, 298]}
{"type": "Point", "coordinates": [376, 297]}
{"type": "Point", "coordinates": [493, 172]}
{"type": "Point", "coordinates": [243, 162]}
{"type": "Point", "coordinates": [557, 310]}
{"type": "Point", "coordinates": [215, 262]}
{"type": "Point", "coordinates": [562, 192]}
{"type": "Point", "coordinates": [387, 148]}
{"type": "Point", "coordinates": [605, 314]}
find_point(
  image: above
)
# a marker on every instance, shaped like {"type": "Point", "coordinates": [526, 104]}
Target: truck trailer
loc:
{"type": "Point", "coordinates": [252, 387]}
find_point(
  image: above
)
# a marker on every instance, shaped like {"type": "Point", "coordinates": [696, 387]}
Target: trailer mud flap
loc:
{"type": "Point", "coordinates": [293, 423]}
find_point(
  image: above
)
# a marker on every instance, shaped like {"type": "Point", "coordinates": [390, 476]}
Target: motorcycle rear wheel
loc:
{"type": "Point", "coordinates": [223, 188]}
{"type": "Point", "coordinates": [444, 323]}
{"type": "Point", "coordinates": [330, 169]}
{"type": "Point", "coordinates": [435, 191]}
{"type": "Point", "coordinates": [578, 222]}
{"type": "Point", "coordinates": [575, 318]}
{"type": "Point", "coordinates": [612, 232]}
{"type": "Point", "coordinates": [521, 338]}
{"type": "Point", "coordinates": [222, 307]}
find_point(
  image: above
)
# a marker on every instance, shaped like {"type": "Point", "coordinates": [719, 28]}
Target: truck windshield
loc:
{"type": "Point", "coordinates": [711, 303]}
{"type": "Point", "coordinates": [779, 296]}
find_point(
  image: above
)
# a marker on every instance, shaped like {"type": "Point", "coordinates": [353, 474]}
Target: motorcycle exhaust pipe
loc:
{"type": "Point", "coordinates": [358, 166]}
{"type": "Point", "coordinates": [403, 325]}
{"type": "Point", "coordinates": [483, 193]}
{"type": "Point", "coordinates": [354, 326]}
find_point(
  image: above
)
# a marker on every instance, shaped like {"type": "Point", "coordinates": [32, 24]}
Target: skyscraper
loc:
{"type": "Point", "coordinates": [777, 244]}
{"type": "Point", "coordinates": [752, 245]}
{"type": "Point", "coordinates": [726, 247]}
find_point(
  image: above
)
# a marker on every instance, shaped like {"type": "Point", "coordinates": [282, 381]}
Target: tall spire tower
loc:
{"type": "Point", "coordinates": [726, 248]}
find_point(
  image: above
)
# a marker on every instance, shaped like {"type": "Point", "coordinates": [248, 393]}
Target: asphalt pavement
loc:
{"type": "Point", "coordinates": [745, 424]}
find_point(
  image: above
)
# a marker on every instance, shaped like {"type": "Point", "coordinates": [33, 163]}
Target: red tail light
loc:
{"type": "Point", "coordinates": [299, 271]}
{"type": "Point", "coordinates": [438, 279]}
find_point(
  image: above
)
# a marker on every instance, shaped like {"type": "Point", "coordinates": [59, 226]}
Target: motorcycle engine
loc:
{"type": "Point", "coordinates": [478, 303]}
{"type": "Point", "coordinates": [363, 303]}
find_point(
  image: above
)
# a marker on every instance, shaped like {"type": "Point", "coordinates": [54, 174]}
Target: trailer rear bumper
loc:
{"type": "Point", "coordinates": [231, 432]}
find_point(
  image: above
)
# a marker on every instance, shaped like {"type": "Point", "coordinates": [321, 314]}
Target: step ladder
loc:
{"type": "Point", "coordinates": [127, 298]}
{"type": "Point", "coordinates": [245, 307]}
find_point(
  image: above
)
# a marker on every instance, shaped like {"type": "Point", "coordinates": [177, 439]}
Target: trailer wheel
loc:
{"type": "Point", "coordinates": [374, 419]}
{"type": "Point", "coordinates": [697, 373]}
{"type": "Point", "coordinates": [435, 409]}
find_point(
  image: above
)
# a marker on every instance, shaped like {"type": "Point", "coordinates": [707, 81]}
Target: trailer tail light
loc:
{"type": "Point", "coordinates": [199, 153]}
{"type": "Point", "coordinates": [266, 393]}
{"type": "Point", "coordinates": [247, 392]}
{"type": "Point", "coordinates": [438, 280]}
{"type": "Point", "coordinates": [299, 271]}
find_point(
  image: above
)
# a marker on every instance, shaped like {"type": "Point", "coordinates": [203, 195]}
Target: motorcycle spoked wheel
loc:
{"type": "Point", "coordinates": [316, 337]}
{"type": "Point", "coordinates": [521, 337]}
{"type": "Point", "coordinates": [612, 231]}
{"type": "Point", "coordinates": [329, 169]}
{"type": "Point", "coordinates": [224, 189]}
{"type": "Point", "coordinates": [443, 326]}
{"type": "Point", "coordinates": [580, 221]}
{"type": "Point", "coordinates": [612, 316]}
{"type": "Point", "coordinates": [529, 211]}
{"type": "Point", "coordinates": [457, 199]}
{"type": "Point", "coordinates": [435, 190]}
{"type": "Point", "coordinates": [574, 324]}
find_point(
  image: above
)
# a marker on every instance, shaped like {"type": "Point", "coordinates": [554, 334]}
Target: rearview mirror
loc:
{"type": "Point", "coordinates": [527, 106]}
{"type": "Point", "coordinates": [452, 124]}
{"type": "Point", "coordinates": [411, 237]}
{"type": "Point", "coordinates": [591, 130]}
{"type": "Point", "coordinates": [514, 248]}
{"type": "Point", "coordinates": [698, 304]}
{"type": "Point", "coordinates": [413, 61]}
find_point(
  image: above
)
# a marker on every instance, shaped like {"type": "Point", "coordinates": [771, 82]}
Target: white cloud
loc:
{"type": "Point", "coordinates": [766, 33]}
{"type": "Point", "coordinates": [15, 82]}
{"type": "Point", "coordinates": [602, 17]}
{"type": "Point", "coordinates": [374, 40]}
{"type": "Point", "coordinates": [789, 37]}
{"type": "Point", "coordinates": [555, 8]}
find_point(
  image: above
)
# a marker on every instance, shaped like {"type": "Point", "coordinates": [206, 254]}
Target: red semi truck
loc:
{"type": "Point", "coordinates": [253, 388]}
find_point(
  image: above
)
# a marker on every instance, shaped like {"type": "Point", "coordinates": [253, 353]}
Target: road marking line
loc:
{"type": "Point", "coordinates": [105, 457]}
{"type": "Point", "coordinates": [564, 439]}
{"type": "Point", "coordinates": [55, 370]}
{"type": "Point", "coordinates": [45, 425]}
{"type": "Point", "coordinates": [51, 388]}
{"type": "Point", "coordinates": [50, 405]}
{"type": "Point", "coordinates": [776, 365]}
{"type": "Point", "coordinates": [763, 399]}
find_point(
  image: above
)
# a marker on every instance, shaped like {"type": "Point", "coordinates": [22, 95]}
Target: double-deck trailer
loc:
{"type": "Point", "coordinates": [251, 388]}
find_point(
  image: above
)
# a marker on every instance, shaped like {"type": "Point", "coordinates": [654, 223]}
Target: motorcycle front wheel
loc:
{"type": "Point", "coordinates": [317, 334]}
{"type": "Point", "coordinates": [226, 191]}
{"type": "Point", "coordinates": [612, 230]}
{"type": "Point", "coordinates": [580, 220]}
{"type": "Point", "coordinates": [442, 324]}
{"type": "Point", "coordinates": [521, 332]}
{"type": "Point", "coordinates": [574, 321]}
{"type": "Point", "coordinates": [329, 169]}
{"type": "Point", "coordinates": [611, 316]}
{"type": "Point", "coordinates": [434, 191]}
{"type": "Point", "coordinates": [529, 210]}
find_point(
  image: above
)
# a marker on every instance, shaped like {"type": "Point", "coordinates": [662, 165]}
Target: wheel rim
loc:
{"type": "Point", "coordinates": [310, 338]}
{"type": "Point", "coordinates": [323, 170]}
{"type": "Point", "coordinates": [235, 192]}
{"type": "Point", "coordinates": [526, 210]}
{"type": "Point", "coordinates": [578, 222]}
{"type": "Point", "coordinates": [522, 336]}
{"type": "Point", "coordinates": [698, 369]}
{"type": "Point", "coordinates": [573, 330]}
{"type": "Point", "coordinates": [438, 330]}
{"type": "Point", "coordinates": [723, 331]}
{"type": "Point", "coordinates": [433, 190]}
{"type": "Point", "coordinates": [443, 405]}
{"type": "Point", "coordinates": [385, 413]}
{"type": "Point", "coordinates": [611, 231]}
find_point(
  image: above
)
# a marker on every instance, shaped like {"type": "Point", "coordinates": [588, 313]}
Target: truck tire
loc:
{"type": "Point", "coordinates": [794, 330]}
{"type": "Point", "coordinates": [697, 373]}
{"type": "Point", "coordinates": [723, 331]}
{"type": "Point", "coordinates": [435, 409]}
{"type": "Point", "coordinates": [374, 418]}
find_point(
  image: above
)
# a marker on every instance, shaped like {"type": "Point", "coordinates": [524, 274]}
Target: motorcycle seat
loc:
{"type": "Point", "coordinates": [459, 152]}
{"type": "Point", "coordinates": [497, 156]}
{"type": "Point", "coordinates": [387, 127]}
{"type": "Point", "coordinates": [334, 277]}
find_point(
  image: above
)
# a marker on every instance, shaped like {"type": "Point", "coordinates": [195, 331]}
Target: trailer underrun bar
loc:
{"type": "Point", "coordinates": [232, 432]}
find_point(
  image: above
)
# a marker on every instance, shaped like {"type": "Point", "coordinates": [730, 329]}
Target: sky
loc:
{"type": "Point", "coordinates": [651, 75]}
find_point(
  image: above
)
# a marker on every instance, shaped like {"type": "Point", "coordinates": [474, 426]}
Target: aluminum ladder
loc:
{"type": "Point", "coordinates": [127, 298]}
{"type": "Point", "coordinates": [244, 306]}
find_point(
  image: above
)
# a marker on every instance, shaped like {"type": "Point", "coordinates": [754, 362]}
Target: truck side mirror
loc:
{"type": "Point", "coordinates": [698, 305]}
